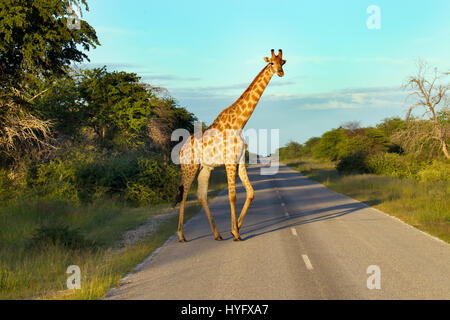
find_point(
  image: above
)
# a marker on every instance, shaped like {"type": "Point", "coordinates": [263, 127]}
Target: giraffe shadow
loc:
{"type": "Point", "coordinates": [297, 219]}
{"type": "Point", "coordinates": [270, 225]}
{"type": "Point", "coordinates": [302, 186]}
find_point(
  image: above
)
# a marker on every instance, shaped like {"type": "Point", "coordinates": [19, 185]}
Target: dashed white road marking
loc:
{"type": "Point", "coordinates": [307, 262]}
{"type": "Point", "coordinates": [282, 203]}
{"type": "Point", "coordinates": [294, 232]}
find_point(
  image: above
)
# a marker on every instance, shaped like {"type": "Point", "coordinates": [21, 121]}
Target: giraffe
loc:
{"type": "Point", "coordinates": [222, 143]}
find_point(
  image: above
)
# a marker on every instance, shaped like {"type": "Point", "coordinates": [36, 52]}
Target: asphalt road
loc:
{"type": "Point", "coordinates": [301, 241]}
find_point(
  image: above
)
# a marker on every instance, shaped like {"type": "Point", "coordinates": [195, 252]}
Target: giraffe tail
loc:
{"type": "Point", "coordinates": [179, 195]}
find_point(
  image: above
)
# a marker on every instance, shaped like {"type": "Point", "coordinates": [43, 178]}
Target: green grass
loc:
{"type": "Point", "coordinates": [38, 271]}
{"type": "Point", "coordinates": [424, 205]}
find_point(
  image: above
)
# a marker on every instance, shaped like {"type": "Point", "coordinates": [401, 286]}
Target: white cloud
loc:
{"type": "Point", "coordinates": [346, 99]}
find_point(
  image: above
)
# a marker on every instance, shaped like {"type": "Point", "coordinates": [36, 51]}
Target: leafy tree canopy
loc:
{"type": "Point", "coordinates": [36, 40]}
{"type": "Point", "coordinates": [327, 147]}
{"type": "Point", "coordinates": [116, 102]}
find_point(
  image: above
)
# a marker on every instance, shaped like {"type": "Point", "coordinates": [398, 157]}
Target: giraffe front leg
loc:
{"type": "Point", "coordinates": [250, 193]}
{"type": "Point", "coordinates": [231, 177]}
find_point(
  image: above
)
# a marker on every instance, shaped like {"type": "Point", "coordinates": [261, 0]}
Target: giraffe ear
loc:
{"type": "Point", "coordinates": [283, 62]}
{"type": "Point", "coordinates": [266, 59]}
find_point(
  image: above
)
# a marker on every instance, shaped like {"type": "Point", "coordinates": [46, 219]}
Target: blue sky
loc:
{"type": "Point", "coordinates": [206, 53]}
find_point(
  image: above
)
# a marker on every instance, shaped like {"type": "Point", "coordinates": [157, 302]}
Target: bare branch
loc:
{"type": "Point", "coordinates": [432, 98]}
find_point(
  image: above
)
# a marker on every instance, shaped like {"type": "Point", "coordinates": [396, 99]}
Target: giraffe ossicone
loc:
{"type": "Point", "coordinates": [223, 143]}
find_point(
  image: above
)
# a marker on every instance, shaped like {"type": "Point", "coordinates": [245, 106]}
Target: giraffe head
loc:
{"type": "Point", "coordinates": [276, 62]}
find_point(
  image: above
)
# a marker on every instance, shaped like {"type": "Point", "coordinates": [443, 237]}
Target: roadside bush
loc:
{"type": "Point", "coordinates": [292, 150]}
{"type": "Point", "coordinates": [83, 179]}
{"type": "Point", "coordinates": [394, 165]}
{"type": "Point", "coordinates": [54, 180]}
{"type": "Point", "coordinates": [60, 235]}
{"type": "Point", "coordinates": [309, 145]}
{"type": "Point", "coordinates": [353, 163]}
{"type": "Point", "coordinates": [437, 171]}
{"type": "Point", "coordinates": [8, 188]}
{"type": "Point", "coordinates": [352, 146]}
{"type": "Point", "coordinates": [327, 147]}
{"type": "Point", "coordinates": [106, 176]}
{"type": "Point", "coordinates": [156, 182]}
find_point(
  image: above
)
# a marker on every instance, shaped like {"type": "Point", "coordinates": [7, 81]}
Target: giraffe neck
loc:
{"type": "Point", "coordinates": [244, 106]}
{"type": "Point", "coordinates": [237, 115]}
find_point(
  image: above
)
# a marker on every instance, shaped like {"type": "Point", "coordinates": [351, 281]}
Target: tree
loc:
{"type": "Point", "coordinates": [390, 125]}
{"type": "Point", "coordinates": [432, 97]}
{"type": "Point", "coordinates": [352, 126]}
{"type": "Point", "coordinates": [21, 133]}
{"type": "Point", "coordinates": [61, 104]}
{"type": "Point", "coordinates": [35, 44]}
{"type": "Point", "coordinates": [292, 150]}
{"type": "Point", "coordinates": [35, 38]}
{"type": "Point", "coordinates": [118, 106]}
{"type": "Point", "coordinates": [169, 116]}
{"type": "Point", "coordinates": [327, 147]}
{"type": "Point", "coordinates": [309, 145]}
{"type": "Point", "coordinates": [363, 140]}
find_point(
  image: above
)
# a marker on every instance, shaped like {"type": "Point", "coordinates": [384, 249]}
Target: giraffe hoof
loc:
{"type": "Point", "coordinates": [182, 240]}
{"type": "Point", "coordinates": [236, 238]}
{"type": "Point", "coordinates": [218, 238]}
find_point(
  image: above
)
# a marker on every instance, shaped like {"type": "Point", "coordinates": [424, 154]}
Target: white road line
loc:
{"type": "Point", "coordinates": [307, 262]}
{"type": "Point", "coordinates": [294, 232]}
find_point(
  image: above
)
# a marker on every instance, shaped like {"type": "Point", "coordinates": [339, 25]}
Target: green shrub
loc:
{"type": "Point", "coordinates": [55, 180]}
{"type": "Point", "coordinates": [292, 150]}
{"type": "Point", "coordinates": [353, 163]}
{"type": "Point", "coordinates": [376, 140]}
{"type": "Point", "coordinates": [352, 146]}
{"type": "Point", "coordinates": [394, 165]}
{"type": "Point", "coordinates": [327, 147]}
{"type": "Point", "coordinates": [60, 235]}
{"type": "Point", "coordinates": [8, 188]}
{"type": "Point", "coordinates": [156, 182]}
{"type": "Point", "coordinates": [106, 176]}
{"type": "Point", "coordinates": [83, 179]}
{"type": "Point", "coordinates": [437, 171]}
{"type": "Point", "coordinates": [309, 145]}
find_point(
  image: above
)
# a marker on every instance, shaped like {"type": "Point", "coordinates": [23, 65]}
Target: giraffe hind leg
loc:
{"type": "Point", "coordinates": [250, 193]}
{"type": "Point", "coordinates": [188, 175]}
{"type": "Point", "coordinates": [202, 195]}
